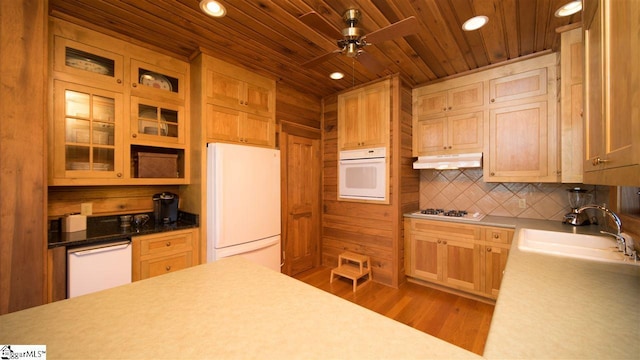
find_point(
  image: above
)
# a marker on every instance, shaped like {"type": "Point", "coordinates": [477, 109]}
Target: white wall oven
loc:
{"type": "Point", "coordinates": [362, 174]}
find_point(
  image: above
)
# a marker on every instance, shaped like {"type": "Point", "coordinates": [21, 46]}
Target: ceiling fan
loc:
{"type": "Point", "coordinates": [352, 40]}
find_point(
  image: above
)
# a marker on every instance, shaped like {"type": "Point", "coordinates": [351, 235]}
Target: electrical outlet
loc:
{"type": "Point", "coordinates": [522, 203]}
{"type": "Point", "coordinates": [86, 209]}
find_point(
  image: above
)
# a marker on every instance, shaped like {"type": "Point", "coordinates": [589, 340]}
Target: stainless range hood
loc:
{"type": "Point", "coordinates": [444, 162]}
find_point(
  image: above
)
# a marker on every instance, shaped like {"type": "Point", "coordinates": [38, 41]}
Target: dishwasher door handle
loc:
{"type": "Point", "coordinates": [96, 250]}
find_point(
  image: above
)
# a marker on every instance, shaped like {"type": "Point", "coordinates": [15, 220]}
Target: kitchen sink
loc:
{"type": "Point", "coordinates": [582, 246]}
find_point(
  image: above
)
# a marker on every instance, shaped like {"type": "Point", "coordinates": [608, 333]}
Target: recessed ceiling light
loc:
{"type": "Point", "coordinates": [336, 75]}
{"type": "Point", "coordinates": [212, 8]}
{"type": "Point", "coordinates": [475, 23]}
{"type": "Point", "coordinates": [569, 8]}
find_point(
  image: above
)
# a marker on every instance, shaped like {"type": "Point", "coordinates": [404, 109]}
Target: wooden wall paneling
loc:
{"type": "Point", "coordinates": [106, 200]}
{"type": "Point", "coordinates": [23, 109]}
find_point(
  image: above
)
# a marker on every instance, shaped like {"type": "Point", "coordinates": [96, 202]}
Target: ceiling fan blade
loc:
{"type": "Point", "coordinates": [370, 63]}
{"type": "Point", "coordinates": [320, 59]}
{"type": "Point", "coordinates": [317, 22]}
{"type": "Point", "coordinates": [401, 28]}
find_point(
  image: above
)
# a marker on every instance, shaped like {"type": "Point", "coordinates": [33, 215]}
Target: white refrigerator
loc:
{"type": "Point", "coordinates": [243, 203]}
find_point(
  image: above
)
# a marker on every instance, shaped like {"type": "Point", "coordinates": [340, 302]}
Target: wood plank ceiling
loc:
{"type": "Point", "coordinates": [268, 37]}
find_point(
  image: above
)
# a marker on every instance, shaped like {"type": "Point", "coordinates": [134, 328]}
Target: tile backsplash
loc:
{"type": "Point", "coordinates": [466, 190]}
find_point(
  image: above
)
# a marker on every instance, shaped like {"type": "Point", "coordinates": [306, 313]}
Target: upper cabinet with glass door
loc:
{"type": "Point", "coordinates": [154, 121]}
{"type": "Point", "coordinates": [152, 81]}
{"type": "Point", "coordinates": [86, 139]}
{"type": "Point", "coordinates": [78, 62]}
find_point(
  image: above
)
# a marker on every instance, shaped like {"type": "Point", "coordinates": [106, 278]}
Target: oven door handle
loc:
{"type": "Point", "coordinates": [362, 161]}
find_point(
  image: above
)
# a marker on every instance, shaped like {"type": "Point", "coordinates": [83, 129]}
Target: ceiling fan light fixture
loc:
{"type": "Point", "coordinates": [475, 23]}
{"type": "Point", "coordinates": [213, 8]}
{"type": "Point", "coordinates": [336, 75]}
{"type": "Point", "coordinates": [569, 8]}
{"type": "Point", "coordinates": [352, 49]}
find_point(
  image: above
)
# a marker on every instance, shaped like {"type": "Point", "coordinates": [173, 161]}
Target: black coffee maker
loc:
{"type": "Point", "coordinates": [165, 208]}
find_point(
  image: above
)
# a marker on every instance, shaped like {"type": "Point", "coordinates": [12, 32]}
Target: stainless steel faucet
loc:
{"type": "Point", "coordinates": [622, 243]}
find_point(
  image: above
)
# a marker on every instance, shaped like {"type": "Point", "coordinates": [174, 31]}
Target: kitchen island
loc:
{"type": "Point", "coordinates": [227, 309]}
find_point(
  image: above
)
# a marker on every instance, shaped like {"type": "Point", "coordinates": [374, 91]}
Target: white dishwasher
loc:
{"type": "Point", "coordinates": [98, 267]}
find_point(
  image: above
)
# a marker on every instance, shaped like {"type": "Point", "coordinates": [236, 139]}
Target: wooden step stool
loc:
{"type": "Point", "coordinates": [353, 266]}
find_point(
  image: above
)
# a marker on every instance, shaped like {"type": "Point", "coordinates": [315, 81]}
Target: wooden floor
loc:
{"type": "Point", "coordinates": [457, 320]}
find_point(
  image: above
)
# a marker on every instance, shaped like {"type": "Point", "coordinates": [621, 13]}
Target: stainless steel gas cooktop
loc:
{"type": "Point", "coordinates": [453, 214]}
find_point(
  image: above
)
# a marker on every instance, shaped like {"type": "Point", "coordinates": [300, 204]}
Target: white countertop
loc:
{"type": "Point", "coordinates": [562, 308]}
{"type": "Point", "coordinates": [227, 309]}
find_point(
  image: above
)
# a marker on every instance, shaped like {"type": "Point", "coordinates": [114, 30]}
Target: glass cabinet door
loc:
{"type": "Point", "coordinates": [89, 62]}
{"type": "Point", "coordinates": [86, 135]}
{"type": "Point", "coordinates": [150, 79]}
{"type": "Point", "coordinates": [154, 121]}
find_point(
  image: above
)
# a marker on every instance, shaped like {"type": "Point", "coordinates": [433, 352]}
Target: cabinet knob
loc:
{"type": "Point", "coordinates": [444, 242]}
{"type": "Point", "coordinates": [134, 135]}
{"type": "Point", "coordinates": [488, 249]}
{"type": "Point", "coordinates": [449, 147]}
{"type": "Point", "coordinates": [119, 174]}
{"type": "Point", "coordinates": [597, 161]}
{"type": "Point", "coordinates": [168, 243]}
{"type": "Point", "coordinates": [134, 85]}
{"type": "Point", "coordinates": [439, 241]}
{"type": "Point", "coordinates": [444, 109]}
{"type": "Point", "coordinates": [444, 147]}
{"type": "Point", "coordinates": [496, 236]}
{"type": "Point", "coordinates": [493, 100]}
{"type": "Point", "coordinates": [449, 108]}
{"type": "Point", "coordinates": [119, 81]}
{"type": "Point", "coordinates": [168, 268]}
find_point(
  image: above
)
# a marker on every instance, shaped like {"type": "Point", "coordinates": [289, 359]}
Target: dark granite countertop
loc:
{"type": "Point", "coordinates": [107, 228]}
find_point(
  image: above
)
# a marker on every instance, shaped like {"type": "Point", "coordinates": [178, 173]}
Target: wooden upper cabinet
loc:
{"type": "Point", "coordinates": [364, 117]}
{"type": "Point", "coordinates": [236, 105]}
{"type": "Point", "coordinates": [87, 64]}
{"type": "Point", "coordinates": [166, 81]}
{"type": "Point", "coordinates": [571, 105]}
{"type": "Point", "coordinates": [428, 102]}
{"type": "Point", "coordinates": [612, 90]}
{"type": "Point", "coordinates": [518, 86]}
{"type": "Point", "coordinates": [454, 134]}
{"type": "Point", "coordinates": [250, 95]}
{"type": "Point", "coordinates": [236, 126]}
{"type": "Point", "coordinates": [522, 132]}
{"type": "Point", "coordinates": [86, 141]}
{"type": "Point", "coordinates": [113, 101]}
{"type": "Point", "coordinates": [156, 122]}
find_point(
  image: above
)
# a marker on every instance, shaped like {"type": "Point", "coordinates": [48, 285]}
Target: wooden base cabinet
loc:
{"type": "Point", "coordinates": [162, 253]}
{"type": "Point", "coordinates": [468, 258]}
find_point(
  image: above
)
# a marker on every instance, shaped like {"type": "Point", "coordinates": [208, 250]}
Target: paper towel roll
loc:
{"type": "Point", "coordinates": [76, 222]}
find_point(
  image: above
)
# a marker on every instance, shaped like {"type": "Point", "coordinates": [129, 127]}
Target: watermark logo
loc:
{"type": "Point", "coordinates": [11, 352]}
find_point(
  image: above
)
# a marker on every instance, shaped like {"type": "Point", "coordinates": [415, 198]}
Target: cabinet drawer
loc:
{"type": "Point", "coordinates": [497, 235]}
{"type": "Point", "coordinates": [442, 229]}
{"type": "Point", "coordinates": [165, 264]}
{"type": "Point", "coordinates": [167, 243]}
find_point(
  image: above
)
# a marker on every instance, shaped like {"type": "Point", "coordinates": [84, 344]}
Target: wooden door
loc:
{"type": "Point", "coordinates": [593, 89]}
{"type": "Point", "coordinates": [461, 264]}
{"type": "Point", "coordinates": [374, 123]}
{"type": "Point", "coordinates": [301, 208]}
{"type": "Point", "coordinates": [426, 257]}
{"type": "Point", "coordinates": [431, 138]}
{"type": "Point", "coordinates": [349, 114]}
{"type": "Point", "coordinates": [495, 260]}
{"type": "Point", "coordinates": [222, 123]}
{"type": "Point", "coordinates": [520, 144]}
{"type": "Point", "coordinates": [465, 132]}
{"type": "Point", "coordinates": [429, 104]}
